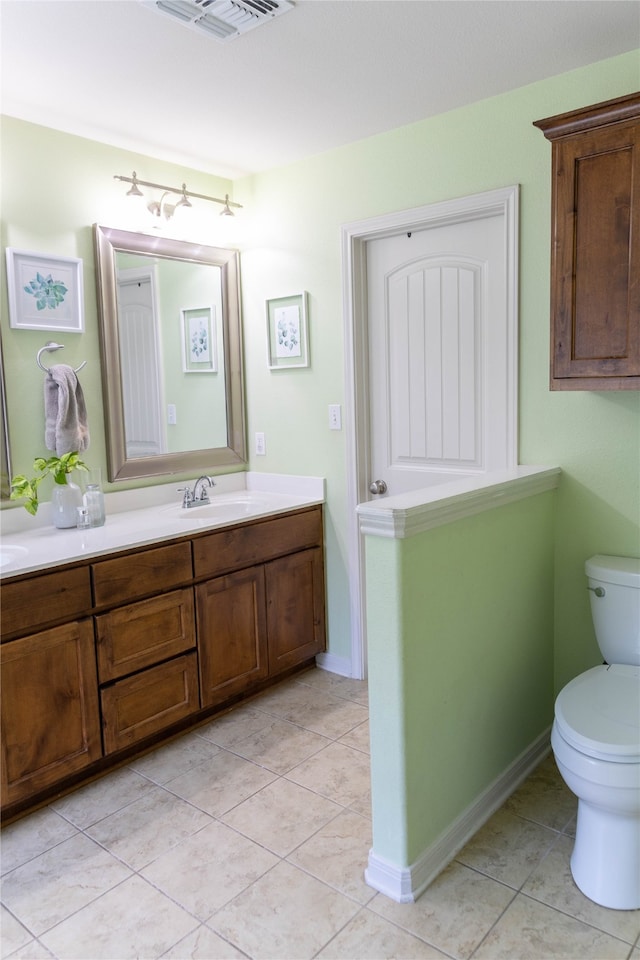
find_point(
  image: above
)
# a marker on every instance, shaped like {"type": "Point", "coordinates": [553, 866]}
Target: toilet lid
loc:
{"type": "Point", "coordinates": [598, 713]}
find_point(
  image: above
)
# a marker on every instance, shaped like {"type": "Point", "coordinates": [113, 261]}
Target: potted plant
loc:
{"type": "Point", "coordinates": [65, 496]}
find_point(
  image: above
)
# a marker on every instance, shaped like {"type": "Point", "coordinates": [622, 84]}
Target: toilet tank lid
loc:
{"type": "Point", "coordinates": [622, 570]}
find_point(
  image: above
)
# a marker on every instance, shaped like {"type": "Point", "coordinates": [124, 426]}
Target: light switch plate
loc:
{"type": "Point", "coordinates": [335, 416]}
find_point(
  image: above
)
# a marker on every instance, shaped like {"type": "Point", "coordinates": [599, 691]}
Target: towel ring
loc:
{"type": "Point", "coordinates": [54, 346]}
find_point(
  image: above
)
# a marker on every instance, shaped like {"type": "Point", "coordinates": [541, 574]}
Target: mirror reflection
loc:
{"type": "Point", "coordinates": [171, 354]}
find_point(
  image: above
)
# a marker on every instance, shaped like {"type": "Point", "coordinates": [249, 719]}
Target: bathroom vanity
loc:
{"type": "Point", "coordinates": [104, 656]}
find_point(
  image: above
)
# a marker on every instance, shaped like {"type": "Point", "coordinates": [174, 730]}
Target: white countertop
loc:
{"type": "Point", "coordinates": [146, 516]}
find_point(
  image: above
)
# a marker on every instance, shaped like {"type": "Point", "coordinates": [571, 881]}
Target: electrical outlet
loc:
{"type": "Point", "coordinates": [171, 414]}
{"type": "Point", "coordinates": [335, 416]}
{"type": "Point", "coordinates": [261, 446]}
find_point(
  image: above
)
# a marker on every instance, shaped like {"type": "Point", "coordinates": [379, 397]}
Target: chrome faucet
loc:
{"type": "Point", "coordinates": [197, 497]}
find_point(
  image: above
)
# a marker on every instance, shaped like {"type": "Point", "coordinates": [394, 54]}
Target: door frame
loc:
{"type": "Point", "coordinates": [354, 239]}
{"type": "Point", "coordinates": [131, 275]}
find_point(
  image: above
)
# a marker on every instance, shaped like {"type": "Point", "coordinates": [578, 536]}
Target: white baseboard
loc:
{"type": "Point", "coordinates": [405, 884]}
{"type": "Point", "coordinates": [334, 664]}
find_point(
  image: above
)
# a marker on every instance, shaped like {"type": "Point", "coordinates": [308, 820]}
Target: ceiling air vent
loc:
{"type": "Point", "coordinates": [221, 19]}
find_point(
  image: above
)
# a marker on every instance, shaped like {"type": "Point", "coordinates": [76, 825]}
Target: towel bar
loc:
{"type": "Point", "coordinates": [54, 346]}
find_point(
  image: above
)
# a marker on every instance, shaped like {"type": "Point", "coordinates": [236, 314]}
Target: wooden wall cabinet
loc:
{"type": "Point", "coordinates": [595, 246]}
{"type": "Point", "coordinates": [106, 657]}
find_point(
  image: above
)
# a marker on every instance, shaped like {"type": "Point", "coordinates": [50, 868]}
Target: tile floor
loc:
{"type": "Point", "coordinates": [248, 838]}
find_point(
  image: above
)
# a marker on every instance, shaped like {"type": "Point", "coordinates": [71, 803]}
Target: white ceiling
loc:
{"type": "Point", "coordinates": [325, 74]}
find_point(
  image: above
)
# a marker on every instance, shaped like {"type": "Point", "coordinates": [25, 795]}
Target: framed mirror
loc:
{"type": "Point", "coordinates": [171, 342]}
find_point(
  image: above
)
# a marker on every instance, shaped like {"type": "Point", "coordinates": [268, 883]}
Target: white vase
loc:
{"type": "Point", "coordinates": [65, 500]}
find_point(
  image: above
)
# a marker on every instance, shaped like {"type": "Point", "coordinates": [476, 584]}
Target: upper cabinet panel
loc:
{"type": "Point", "coordinates": [595, 246]}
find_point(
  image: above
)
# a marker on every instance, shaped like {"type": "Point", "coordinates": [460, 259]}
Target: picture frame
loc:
{"type": "Point", "coordinates": [45, 292]}
{"type": "Point", "coordinates": [199, 340]}
{"type": "Point", "coordinates": [287, 332]}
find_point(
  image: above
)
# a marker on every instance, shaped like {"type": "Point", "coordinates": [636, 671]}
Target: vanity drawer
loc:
{"type": "Point", "coordinates": [139, 706]}
{"type": "Point", "coordinates": [252, 543]}
{"type": "Point", "coordinates": [137, 636]}
{"type": "Point", "coordinates": [49, 598]}
{"type": "Point", "coordinates": [144, 572]}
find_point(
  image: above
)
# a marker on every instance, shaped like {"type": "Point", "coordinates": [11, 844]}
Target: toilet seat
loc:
{"type": "Point", "coordinates": [598, 713]}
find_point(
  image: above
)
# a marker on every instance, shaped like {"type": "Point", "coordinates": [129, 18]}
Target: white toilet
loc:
{"type": "Point", "coordinates": [596, 740]}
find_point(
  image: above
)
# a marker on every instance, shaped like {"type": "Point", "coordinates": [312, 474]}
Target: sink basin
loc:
{"type": "Point", "coordinates": [223, 507]}
{"type": "Point", "coordinates": [10, 553]}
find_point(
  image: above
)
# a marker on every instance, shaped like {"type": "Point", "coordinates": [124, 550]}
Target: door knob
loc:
{"type": "Point", "coordinates": [377, 486]}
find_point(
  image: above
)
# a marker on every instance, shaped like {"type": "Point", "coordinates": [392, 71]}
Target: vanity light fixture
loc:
{"type": "Point", "coordinates": [161, 208]}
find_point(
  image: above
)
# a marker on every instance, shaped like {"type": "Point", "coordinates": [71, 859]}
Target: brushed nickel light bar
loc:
{"type": "Point", "coordinates": [159, 207]}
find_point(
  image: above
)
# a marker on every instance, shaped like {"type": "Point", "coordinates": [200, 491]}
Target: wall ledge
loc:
{"type": "Point", "coordinates": [407, 514]}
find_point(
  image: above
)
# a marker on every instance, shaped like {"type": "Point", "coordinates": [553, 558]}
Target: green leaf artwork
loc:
{"type": "Point", "coordinates": [49, 293]}
{"type": "Point", "coordinates": [200, 341]}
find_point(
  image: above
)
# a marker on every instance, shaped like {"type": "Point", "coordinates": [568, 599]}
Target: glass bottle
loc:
{"type": "Point", "coordinates": [93, 499]}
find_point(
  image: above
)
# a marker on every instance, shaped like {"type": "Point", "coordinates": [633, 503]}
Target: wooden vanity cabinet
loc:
{"type": "Point", "coordinates": [146, 649]}
{"type": "Point", "coordinates": [50, 713]}
{"type": "Point", "coordinates": [107, 656]}
{"type": "Point", "coordinates": [595, 246]}
{"type": "Point", "coordinates": [267, 617]}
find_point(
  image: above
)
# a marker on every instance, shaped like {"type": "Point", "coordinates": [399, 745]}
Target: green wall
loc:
{"type": "Point", "coordinates": [461, 665]}
{"type": "Point", "coordinates": [54, 186]}
{"type": "Point", "coordinates": [297, 213]}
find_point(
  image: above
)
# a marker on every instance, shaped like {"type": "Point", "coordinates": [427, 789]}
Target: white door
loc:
{"type": "Point", "coordinates": [437, 330]}
{"type": "Point", "coordinates": [431, 354]}
{"type": "Point", "coordinates": [140, 365]}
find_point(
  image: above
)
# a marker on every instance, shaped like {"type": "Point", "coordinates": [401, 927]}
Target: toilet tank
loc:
{"type": "Point", "coordinates": [614, 585]}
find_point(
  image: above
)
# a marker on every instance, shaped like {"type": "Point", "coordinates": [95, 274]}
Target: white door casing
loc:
{"type": "Point", "coordinates": [482, 382]}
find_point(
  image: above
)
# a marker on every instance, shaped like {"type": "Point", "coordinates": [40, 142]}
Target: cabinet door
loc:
{"type": "Point", "coordinates": [595, 256]}
{"type": "Point", "coordinates": [232, 635]}
{"type": "Point", "coordinates": [295, 609]}
{"type": "Point", "coordinates": [50, 719]}
{"type": "Point", "coordinates": [596, 288]}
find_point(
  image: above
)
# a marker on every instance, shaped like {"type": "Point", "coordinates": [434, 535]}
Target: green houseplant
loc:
{"type": "Point", "coordinates": [25, 488]}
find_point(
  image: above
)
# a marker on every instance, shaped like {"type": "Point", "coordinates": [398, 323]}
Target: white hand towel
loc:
{"type": "Point", "coordinates": [66, 428]}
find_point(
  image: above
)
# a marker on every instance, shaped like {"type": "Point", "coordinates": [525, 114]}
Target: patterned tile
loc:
{"type": "Point", "coordinates": [220, 783]}
{"type": "Point", "coordinates": [109, 928]}
{"type": "Point", "coordinates": [370, 937]}
{"type": "Point", "coordinates": [337, 854]}
{"type": "Point", "coordinates": [251, 835]}
{"type": "Point", "coordinates": [507, 848]}
{"type": "Point", "coordinates": [553, 884]}
{"type": "Point", "coordinates": [286, 914]}
{"type": "Point", "coordinates": [144, 830]}
{"type": "Point", "coordinates": [281, 816]}
{"type": "Point", "coordinates": [454, 913]}
{"type": "Point", "coordinates": [103, 797]}
{"type": "Point", "coordinates": [532, 931]}
{"type": "Point", "coordinates": [49, 888]}
{"type": "Point", "coordinates": [338, 772]}
{"type": "Point", "coordinates": [208, 869]}
{"type": "Point", "coordinates": [28, 838]}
